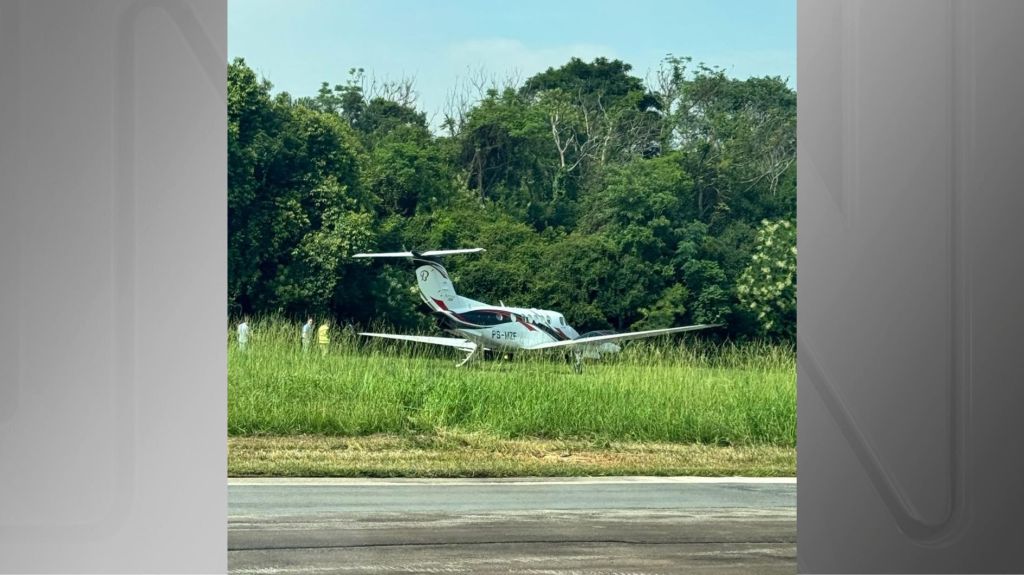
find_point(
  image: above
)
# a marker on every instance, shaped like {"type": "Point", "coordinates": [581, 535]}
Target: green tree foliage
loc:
{"type": "Point", "coordinates": [407, 174]}
{"type": "Point", "coordinates": [602, 79]}
{"type": "Point", "coordinates": [296, 207]}
{"type": "Point", "coordinates": [768, 285]}
{"type": "Point", "coordinates": [623, 204]}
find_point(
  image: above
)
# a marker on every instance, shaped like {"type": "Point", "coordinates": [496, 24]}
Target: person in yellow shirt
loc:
{"type": "Point", "coordinates": [323, 338]}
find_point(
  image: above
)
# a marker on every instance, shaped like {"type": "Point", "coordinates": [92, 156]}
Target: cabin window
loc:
{"type": "Point", "coordinates": [482, 317]}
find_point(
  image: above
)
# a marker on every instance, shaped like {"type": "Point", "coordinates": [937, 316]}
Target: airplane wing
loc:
{"type": "Point", "coordinates": [453, 252]}
{"type": "Point", "coordinates": [463, 344]}
{"type": "Point", "coordinates": [597, 339]}
{"type": "Point", "coordinates": [385, 255]}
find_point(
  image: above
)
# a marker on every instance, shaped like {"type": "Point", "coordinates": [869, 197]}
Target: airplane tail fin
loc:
{"type": "Point", "coordinates": [436, 288]}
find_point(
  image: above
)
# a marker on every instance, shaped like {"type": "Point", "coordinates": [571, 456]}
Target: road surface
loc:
{"type": "Point", "coordinates": [541, 526]}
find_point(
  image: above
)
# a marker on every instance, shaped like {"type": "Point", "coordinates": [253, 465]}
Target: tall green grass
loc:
{"type": "Point", "coordinates": [680, 389]}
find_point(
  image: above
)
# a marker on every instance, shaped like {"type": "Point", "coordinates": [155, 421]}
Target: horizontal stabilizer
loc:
{"type": "Point", "coordinates": [462, 344]}
{"type": "Point", "coordinates": [385, 255]}
{"type": "Point", "coordinates": [597, 339]}
{"type": "Point", "coordinates": [411, 255]}
{"type": "Point", "coordinates": [453, 252]}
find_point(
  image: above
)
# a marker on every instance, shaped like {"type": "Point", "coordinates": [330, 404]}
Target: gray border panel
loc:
{"type": "Point", "coordinates": [909, 395]}
{"type": "Point", "coordinates": [10, 381]}
{"type": "Point", "coordinates": [113, 141]}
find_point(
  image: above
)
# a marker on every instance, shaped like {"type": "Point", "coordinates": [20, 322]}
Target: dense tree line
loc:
{"type": "Point", "coordinates": [624, 204]}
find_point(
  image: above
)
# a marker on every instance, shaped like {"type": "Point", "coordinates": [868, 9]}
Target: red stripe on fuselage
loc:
{"type": "Point", "coordinates": [440, 304]}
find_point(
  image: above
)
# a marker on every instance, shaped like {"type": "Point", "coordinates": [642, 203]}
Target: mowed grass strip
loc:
{"type": "Point", "coordinates": [476, 455]}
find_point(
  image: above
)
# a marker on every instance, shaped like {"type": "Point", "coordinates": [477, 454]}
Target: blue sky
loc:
{"type": "Point", "coordinates": [298, 44]}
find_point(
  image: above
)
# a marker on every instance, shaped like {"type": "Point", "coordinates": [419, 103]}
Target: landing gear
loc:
{"type": "Point", "coordinates": [496, 354]}
{"type": "Point", "coordinates": [469, 356]}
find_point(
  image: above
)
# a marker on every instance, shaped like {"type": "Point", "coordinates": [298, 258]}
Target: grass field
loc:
{"type": "Point", "coordinates": [659, 394]}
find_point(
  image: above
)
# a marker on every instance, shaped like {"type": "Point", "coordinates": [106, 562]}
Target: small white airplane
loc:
{"type": "Point", "coordinates": [501, 328]}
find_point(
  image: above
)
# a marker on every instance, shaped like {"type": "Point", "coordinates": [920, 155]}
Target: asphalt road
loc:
{"type": "Point", "coordinates": [556, 526]}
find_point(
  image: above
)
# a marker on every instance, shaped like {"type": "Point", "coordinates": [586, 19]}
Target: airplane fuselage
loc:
{"type": "Point", "coordinates": [497, 327]}
{"type": "Point", "coordinates": [502, 327]}
{"type": "Point", "coordinates": [511, 328]}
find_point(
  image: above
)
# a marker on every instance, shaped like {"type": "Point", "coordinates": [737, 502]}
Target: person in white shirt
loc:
{"type": "Point", "coordinates": [243, 334]}
{"type": "Point", "coordinates": [307, 334]}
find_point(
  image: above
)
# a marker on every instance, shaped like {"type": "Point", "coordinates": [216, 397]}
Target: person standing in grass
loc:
{"type": "Point", "coordinates": [323, 338]}
{"type": "Point", "coordinates": [307, 334]}
{"type": "Point", "coordinates": [243, 334]}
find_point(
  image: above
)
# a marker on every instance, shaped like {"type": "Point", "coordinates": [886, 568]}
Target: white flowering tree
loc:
{"type": "Point", "coordinates": [767, 286]}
